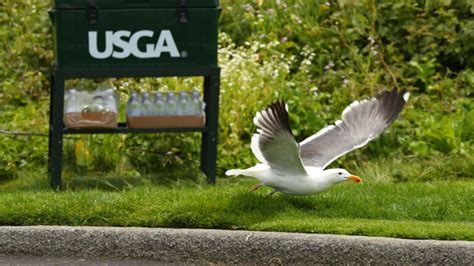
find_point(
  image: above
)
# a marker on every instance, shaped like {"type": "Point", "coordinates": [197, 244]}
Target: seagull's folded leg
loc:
{"type": "Point", "coordinates": [257, 186]}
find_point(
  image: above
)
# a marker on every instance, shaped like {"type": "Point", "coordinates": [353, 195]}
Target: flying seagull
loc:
{"type": "Point", "coordinates": [299, 168]}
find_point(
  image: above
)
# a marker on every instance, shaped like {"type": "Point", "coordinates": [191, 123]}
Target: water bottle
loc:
{"type": "Point", "coordinates": [67, 94]}
{"type": "Point", "coordinates": [111, 103]}
{"type": "Point", "coordinates": [147, 105]}
{"type": "Point", "coordinates": [158, 104]}
{"type": "Point", "coordinates": [196, 105]}
{"type": "Point", "coordinates": [134, 106]}
{"type": "Point", "coordinates": [71, 104]}
{"type": "Point", "coordinates": [86, 101]}
{"type": "Point", "coordinates": [183, 106]}
{"type": "Point", "coordinates": [171, 104]}
{"type": "Point", "coordinates": [111, 92]}
{"type": "Point", "coordinates": [97, 104]}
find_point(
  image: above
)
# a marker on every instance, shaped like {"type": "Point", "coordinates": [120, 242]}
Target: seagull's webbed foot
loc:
{"type": "Point", "coordinates": [257, 186]}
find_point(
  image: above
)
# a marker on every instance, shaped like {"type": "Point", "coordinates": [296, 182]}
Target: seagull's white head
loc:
{"type": "Point", "coordinates": [338, 175]}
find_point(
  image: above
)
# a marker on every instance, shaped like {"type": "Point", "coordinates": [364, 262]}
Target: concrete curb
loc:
{"type": "Point", "coordinates": [222, 246]}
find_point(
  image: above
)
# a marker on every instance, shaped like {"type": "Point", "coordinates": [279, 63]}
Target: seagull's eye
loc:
{"type": "Point", "coordinates": [340, 173]}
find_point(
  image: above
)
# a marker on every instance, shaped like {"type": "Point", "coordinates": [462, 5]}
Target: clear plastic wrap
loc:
{"type": "Point", "coordinates": [97, 109]}
{"type": "Point", "coordinates": [165, 110]}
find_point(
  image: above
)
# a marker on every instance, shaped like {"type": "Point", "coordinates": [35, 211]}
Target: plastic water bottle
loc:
{"type": "Point", "coordinates": [147, 105]}
{"type": "Point", "coordinates": [134, 106]}
{"type": "Point", "coordinates": [171, 104]}
{"type": "Point", "coordinates": [183, 104]}
{"type": "Point", "coordinates": [111, 92]}
{"type": "Point", "coordinates": [111, 103]}
{"type": "Point", "coordinates": [110, 100]}
{"type": "Point", "coordinates": [196, 105]}
{"type": "Point", "coordinates": [91, 102]}
{"type": "Point", "coordinates": [86, 101]}
{"type": "Point", "coordinates": [71, 104]}
{"type": "Point", "coordinates": [97, 104]}
{"type": "Point", "coordinates": [158, 104]}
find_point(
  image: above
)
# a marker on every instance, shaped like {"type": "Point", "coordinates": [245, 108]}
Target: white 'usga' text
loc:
{"type": "Point", "coordinates": [128, 44]}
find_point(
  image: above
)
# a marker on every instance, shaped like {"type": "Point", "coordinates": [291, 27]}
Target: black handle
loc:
{"type": "Point", "coordinates": [183, 11]}
{"type": "Point", "coordinates": [92, 12]}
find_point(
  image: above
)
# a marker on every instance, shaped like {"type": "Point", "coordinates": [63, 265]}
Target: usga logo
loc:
{"type": "Point", "coordinates": [127, 44]}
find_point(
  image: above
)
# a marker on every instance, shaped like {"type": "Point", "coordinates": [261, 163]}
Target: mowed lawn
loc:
{"type": "Point", "coordinates": [437, 210]}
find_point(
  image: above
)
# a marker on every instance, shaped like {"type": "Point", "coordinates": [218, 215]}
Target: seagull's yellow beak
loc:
{"type": "Point", "coordinates": [355, 178]}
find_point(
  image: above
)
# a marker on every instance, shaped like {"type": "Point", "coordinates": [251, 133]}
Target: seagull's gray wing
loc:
{"type": "Point", "coordinates": [274, 143]}
{"type": "Point", "coordinates": [361, 122]}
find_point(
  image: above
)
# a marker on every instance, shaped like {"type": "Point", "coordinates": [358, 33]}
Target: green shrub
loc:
{"type": "Point", "coordinates": [316, 55]}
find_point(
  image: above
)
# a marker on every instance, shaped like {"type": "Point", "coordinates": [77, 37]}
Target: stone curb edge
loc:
{"type": "Point", "coordinates": [226, 246]}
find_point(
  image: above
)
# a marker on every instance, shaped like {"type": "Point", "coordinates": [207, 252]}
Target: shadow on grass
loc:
{"type": "Point", "coordinates": [177, 178]}
{"type": "Point", "coordinates": [40, 180]}
{"type": "Point", "coordinates": [230, 209]}
{"type": "Point", "coordinates": [250, 208]}
{"type": "Point", "coordinates": [260, 207]}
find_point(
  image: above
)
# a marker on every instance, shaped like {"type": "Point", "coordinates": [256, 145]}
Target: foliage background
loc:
{"type": "Point", "coordinates": [317, 55]}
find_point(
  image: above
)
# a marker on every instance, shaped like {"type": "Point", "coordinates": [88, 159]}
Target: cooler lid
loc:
{"type": "Point", "coordinates": [128, 4]}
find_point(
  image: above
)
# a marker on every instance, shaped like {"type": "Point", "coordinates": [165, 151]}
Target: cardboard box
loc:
{"type": "Point", "coordinates": [165, 121]}
{"type": "Point", "coordinates": [91, 120]}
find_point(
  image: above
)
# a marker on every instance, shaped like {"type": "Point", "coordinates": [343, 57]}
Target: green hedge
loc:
{"type": "Point", "coordinates": [316, 55]}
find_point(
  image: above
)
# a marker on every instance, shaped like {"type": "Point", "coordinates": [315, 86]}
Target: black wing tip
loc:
{"type": "Point", "coordinates": [277, 104]}
{"type": "Point", "coordinates": [394, 93]}
{"type": "Point", "coordinates": [278, 109]}
{"type": "Point", "coordinates": [392, 103]}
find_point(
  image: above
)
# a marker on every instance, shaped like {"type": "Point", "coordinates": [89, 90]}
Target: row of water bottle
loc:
{"type": "Point", "coordinates": [100, 100]}
{"type": "Point", "coordinates": [165, 104]}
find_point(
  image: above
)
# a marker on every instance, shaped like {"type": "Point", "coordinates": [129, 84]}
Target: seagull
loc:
{"type": "Point", "coordinates": [299, 168]}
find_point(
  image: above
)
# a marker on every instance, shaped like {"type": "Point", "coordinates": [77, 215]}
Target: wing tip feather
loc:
{"type": "Point", "coordinates": [389, 103]}
{"type": "Point", "coordinates": [406, 96]}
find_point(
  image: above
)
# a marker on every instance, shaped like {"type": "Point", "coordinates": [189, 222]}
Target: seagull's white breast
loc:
{"type": "Point", "coordinates": [312, 183]}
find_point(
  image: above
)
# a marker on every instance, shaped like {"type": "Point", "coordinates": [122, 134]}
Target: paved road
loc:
{"type": "Point", "coordinates": [130, 245]}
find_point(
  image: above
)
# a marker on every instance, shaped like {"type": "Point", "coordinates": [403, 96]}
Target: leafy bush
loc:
{"type": "Point", "coordinates": [25, 51]}
{"type": "Point", "coordinates": [316, 55]}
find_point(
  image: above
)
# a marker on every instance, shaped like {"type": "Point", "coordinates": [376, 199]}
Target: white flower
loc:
{"type": "Point", "coordinates": [371, 40]}
{"type": "Point", "coordinates": [329, 65]}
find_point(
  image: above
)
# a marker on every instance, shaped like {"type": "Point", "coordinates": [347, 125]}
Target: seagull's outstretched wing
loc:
{"type": "Point", "coordinates": [361, 122]}
{"type": "Point", "coordinates": [274, 143]}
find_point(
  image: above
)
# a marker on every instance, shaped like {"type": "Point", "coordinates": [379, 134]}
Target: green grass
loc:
{"type": "Point", "coordinates": [437, 210]}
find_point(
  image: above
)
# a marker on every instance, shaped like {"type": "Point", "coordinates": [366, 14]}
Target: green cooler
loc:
{"type": "Point", "coordinates": [105, 33]}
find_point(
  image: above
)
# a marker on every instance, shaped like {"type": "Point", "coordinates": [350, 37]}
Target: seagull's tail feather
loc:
{"type": "Point", "coordinates": [258, 171]}
{"type": "Point", "coordinates": [234, 172]}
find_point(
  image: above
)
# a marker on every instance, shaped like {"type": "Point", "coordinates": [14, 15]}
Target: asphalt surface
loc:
{"type": "Point", "coordinates": [116, 245]}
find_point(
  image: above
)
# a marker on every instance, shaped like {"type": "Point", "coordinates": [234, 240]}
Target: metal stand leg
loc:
{"type": "Point", "coordinates": [209, 137]}
{"type": "Point", "coordinates": [56, 130]}
{"type": "Point", "coordinates": [50, 136]}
